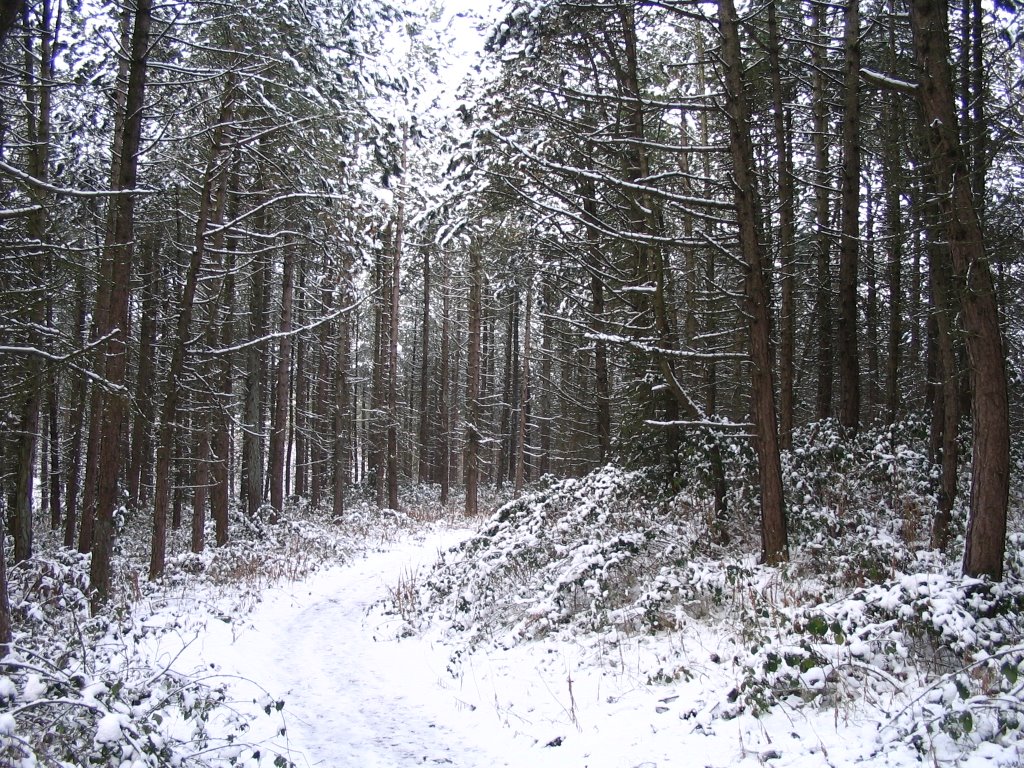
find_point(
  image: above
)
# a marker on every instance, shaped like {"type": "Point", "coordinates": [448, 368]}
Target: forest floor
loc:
{"type": "Point", "coordinates": [594, 622]}
{"type": "Point", "coordinates": [359, 689]}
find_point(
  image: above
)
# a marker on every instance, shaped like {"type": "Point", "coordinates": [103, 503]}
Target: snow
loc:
{"type": "Point", "coordinates": [348, 683]}
{"type": "Point", "coordinates": [108, 730]}
{"type": "Point", "coordinates": [35, 689]}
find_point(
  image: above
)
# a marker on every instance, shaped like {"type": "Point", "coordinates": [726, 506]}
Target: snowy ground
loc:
{"type": "Point", "coordinates": [356, 693]}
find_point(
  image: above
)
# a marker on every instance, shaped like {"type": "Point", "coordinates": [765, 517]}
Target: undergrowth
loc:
{"type": "Point", "coordinates": [80, 689]}
{"type": "Point", "coordinates": [863, 614]}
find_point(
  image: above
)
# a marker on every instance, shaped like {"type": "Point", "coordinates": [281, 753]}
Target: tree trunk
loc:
{"type": "Point", "coordinates": [300, 420]}
{"type": "Point", "coordinates": [602, 386]}
{"type": "Point", "coordinates": [546, 343]}
{"type": "Point", "coordinates": [211, 208]}
{"type": "Point", "coordinates": [142, 437]}
{"type": "Point", "coordinates": [79, 396]}
{"type": "Point", "coordinates": [524, 392]}
{"type": "Point", "coordinates": [893, 183]}
{"type": "Point", "coordinates": [104, 286]}
{"type": "Point", "coordinates": [947, 403]}
{"type": "Point", "coordinates": [822, 239]}
{"type": "Point", "coordinates": [473, 437]}
{"type": "Point", "coordinates": [990, 461]}
{"type": "Point", "coordinates": [340, 447]}
{"type": "Point", "coordinates": [423, 434]}
{"type": "Point", "coordinates": [116, 320]}
{"type": "Point", "coordinates": [774, 545]}
{"type": "Point", "coordinates": [252, 424]}
{"type": "Point", "coordinates": [849, 242]}
{"type": "Point", "coordinates": [6, 625]}
{"type": "Point", "coordinates": [787, 236]}
{"type": "Point", "coordinates": [37, 104]}
{"type": "Point", "coordinates": [396, 275]}
{"type": "Point", "coordinates": [220, 492]}
{"type": "Point", "coordinates": [279, 418]}
{"type": "Point", "coordinates": [444, 421]}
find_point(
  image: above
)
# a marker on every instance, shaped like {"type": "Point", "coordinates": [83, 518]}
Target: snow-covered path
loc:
{"type": "Point", "coordinates": [353, 694]}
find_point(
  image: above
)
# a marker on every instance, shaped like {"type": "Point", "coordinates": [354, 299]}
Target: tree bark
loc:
{"type": "Point", "coordinates": [822, 239]}
{"type": "Point", "coordinates": [6, 625]}
{"type": "Point", "coordinates": [341, 455]}
{"type": "Point", "coordinates": [524, 393]}
{"type": "Point", "coordinates": [947, 403]}
{"type": "Point", "coordinates": [473, 437]}
{"type": "Point", "coordinates": [279, 418]}
{"type": "Point", "coordinates": [787, 235]}
{"type": "Point", "coordinates": [116, 320]}
{"type": "Point", "coordinates": [444, 420]}
{"type": "Point", "coordinates": [142, 434]}
{"type": "Point", "coordinates": [252, 421]}
{"type": "Point", "coordinates": [76, 427]}
{"type": "Point", "coordinates": [849, 242]}
{"type": "Point", "coordinates": [423, 433]}
{"type": "Point", "coordinates": [990, 461]}
{"type": "Point", "coordinates": [396, 276]}
{"type": "Point", "coordinates": [211, 208]}
{"type": "Point", "coordinates": [602, 385]}
{"type": "Point", "coordinates": [38, 91]}
{"type": "Point", "coordinates": [757, 303]}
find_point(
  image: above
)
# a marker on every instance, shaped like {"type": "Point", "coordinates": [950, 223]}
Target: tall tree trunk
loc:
{"type": "Point", "coordinates": [79, 396]}
{"type": "Point", "coordinates": [524, 392]}
{"type": "Point", "coordinates": [892, 183]}
{"type": "Point", "coordinates": [104, 286]}
{"type": "Point", "coordinates": [396, 275]}
{"type": "Point", "coordinates": [141, 442]}
{"type": "Point", "coordinates": [201, 491]}
{"type": "Point", "coordinates": [220, 492]}
{"type": "Point", "coordinates": [774, 545]}
{"type": "Point", "coordinates": [6, 625]}
{"type": "Point", "coordinates": [252, 425]}
{"type": "Point", "coordinates": [787, 236]}
{"type": "Point", "coordinates": [546, 343]}
{"type": "Point", "coordinates": [947, 404]}
{"type": "Point", "coordinates": [990, 461]}
{"type": "Point", "coordinates": [423, 433]}
{"type": "Point", "coordinates": [38, 92]}
{"type": "Point", "coordinates": [341, 452]}
{"type": "Point", "coordinates": [602, 386]}
{"type": "Point", "coordinates": [444, 421]}
{"type": "Point", "coordinates": [300, 420]}
{"type": "Point", "coordinates": [279, 417]}
{"type": "Point", "coordinates": [377, 425]}
{"type": "Point", "coordinates": [849, 242]}
{"type": "Point", "coordinates": [822, 239]}
{"type": "Point", "coordinates": [504, 438]}
{"type": "Point", "coordinates": [116, 319]}
{"type": "Point", "coordinates": [54, 442]}
{"type": "Point", "coordinates": [473, 437]}
{"type": "Point", "coordinates": [211, 208]}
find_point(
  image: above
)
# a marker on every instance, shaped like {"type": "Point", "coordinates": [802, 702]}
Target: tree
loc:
{"type": "Point", "coordinates": [849, 242]}
{"type": "Point", "coordinates": [990, 461]}
{"type": "Point", "coordinates": [473, 372]}
{"type": "Point", "coordinates": [757, 302]}
{"type": "Point", "coordinates": [114, 316]}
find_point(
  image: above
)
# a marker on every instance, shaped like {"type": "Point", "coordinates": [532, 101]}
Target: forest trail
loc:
{"type": "Point", "coordinates": [353, 694]}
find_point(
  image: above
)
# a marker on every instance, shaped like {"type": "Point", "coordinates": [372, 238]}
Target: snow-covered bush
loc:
{"type": "Point", "coordinates": [79, 689]}
{"type": "Point", "coordinates": [572, 554]}
{"type": "Point", "coordinates": [863, 611]}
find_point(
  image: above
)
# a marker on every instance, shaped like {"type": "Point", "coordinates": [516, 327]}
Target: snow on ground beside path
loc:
{"type": "Point", "coordinates": [356, 693]}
